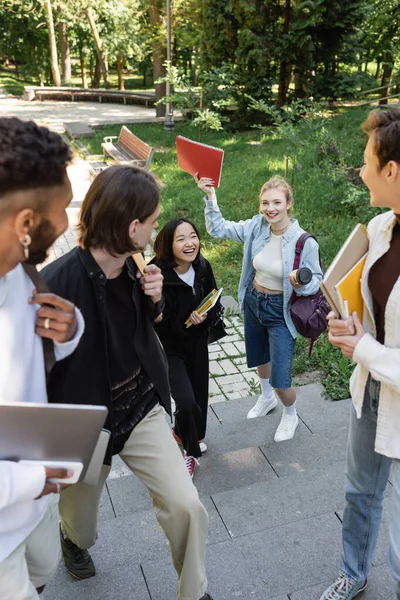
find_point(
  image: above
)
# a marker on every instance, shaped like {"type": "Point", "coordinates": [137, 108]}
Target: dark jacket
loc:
{"type": "Point", "coordinates": [180, 300]}
{"type": "Point", "coordinates": [83, 377]}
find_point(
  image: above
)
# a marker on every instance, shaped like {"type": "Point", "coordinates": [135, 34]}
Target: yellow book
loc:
{"type": "Point", "coordinates": [206, 304]}
{"type": "Point", "coordinates": [348, 291]}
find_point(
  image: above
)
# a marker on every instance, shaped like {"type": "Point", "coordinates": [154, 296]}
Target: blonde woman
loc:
{"type": "Point", "coordinates": [265, 290]}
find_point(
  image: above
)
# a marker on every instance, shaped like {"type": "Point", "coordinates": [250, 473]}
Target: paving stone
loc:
{"type": "Point", "coordinates": [213, 387]}
{"type": "Point", "coordinates": [239, 432]}
{"type": "Point", "coordinates": [112, 582]}
{"type": "Point", "coordinates": [228, 366]}
{"type": "Point", "coordinates": [233, 337]}
{"type": "Point", "coordinates": [131, 498]}
{"type": "Point", "coordinates": [307, 453]}
{"type": "Point", "coordinates": [106, 510]}
{"type": "Point", "coordinates": [118, 469]}
{"type": "Point", "coordinates": [241, 347]}
{"type": "Point", "coordinates": [229, 348]}
{"type": "Point", "coordinates": [240, 360]}
{"type": "Point", "coordinates": [267, 504]}
{"type": "Point", "coordinates": [288, 557]}
{"type": "Point", "coordinates": [228, 576]}
{"type": "Point", "coordinates": [228, 302]}
{"type": "Point", "coordinates": [227, 379]}
{"type": "Point", "coordinates": [236, 390]}
{"type": "Point", "coordinates": [231, 470]}
{"type": "Point", "coordinates": [216, 399]}
{"type": "Point", "coordinates": [320, 414]}
{"type": "Point", "coordinates": [380, 586]}
{"type": "Point", "coordinates": [128, 495]}
{"type": "Point", "coordinates": [216, 354]}
{"type": "Point", "coordinates": [215, 368]}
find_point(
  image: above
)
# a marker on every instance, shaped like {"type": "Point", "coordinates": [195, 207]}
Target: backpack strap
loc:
{"type": "Point", "coordinates": [299, 248]}
{"type": "Point", "coordinates": [41, 288]}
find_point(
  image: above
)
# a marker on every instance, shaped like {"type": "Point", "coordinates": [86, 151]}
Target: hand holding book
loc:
{"type": "Point", "coordinates": [205, 305]}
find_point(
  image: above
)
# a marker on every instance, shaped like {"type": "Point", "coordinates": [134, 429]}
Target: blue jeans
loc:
{"type": "Point", "coordinates": [267, 337]}
{"type": "Point", "coordinates": [366, 479]}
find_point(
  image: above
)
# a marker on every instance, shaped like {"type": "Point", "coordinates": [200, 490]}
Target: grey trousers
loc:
{"type": "Point", "coordinates": [152, 454]}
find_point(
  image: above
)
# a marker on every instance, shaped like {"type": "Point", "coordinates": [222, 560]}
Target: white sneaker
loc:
{"type": "Point", "coordinates": [286, 428]}
{"type": "Point", "coordinates": [203, 447]}
{"type": "Point", "coordinates": [262, 407]}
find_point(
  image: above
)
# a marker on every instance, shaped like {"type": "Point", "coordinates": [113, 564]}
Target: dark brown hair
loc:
{"type": "Point", "coordinates": [164, 241]}
{"type": "Point", "coordinates": [384, 126]}
{"type": "Point", "coordinates": [118, 196]}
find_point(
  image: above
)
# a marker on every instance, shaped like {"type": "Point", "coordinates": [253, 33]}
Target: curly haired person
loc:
{"type": "Point", "coordinates": [34, 193]}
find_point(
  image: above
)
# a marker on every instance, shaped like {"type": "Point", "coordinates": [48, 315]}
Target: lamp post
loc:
{"type": "Point", "coordinates": [169, 116]}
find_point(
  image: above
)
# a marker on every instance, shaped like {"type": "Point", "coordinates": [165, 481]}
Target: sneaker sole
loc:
{"type": "Point", "coordinates": [356, 594]}
{"type": "Point", "coordinates": [78, 577]}
{"type": "Point", "coordinates": [264, 413]}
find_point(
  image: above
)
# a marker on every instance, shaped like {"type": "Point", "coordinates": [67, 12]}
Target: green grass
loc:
{"type": "Point", "coordinates": [326, 203]}
{"type": "Point", "coordinates": [11, 84]}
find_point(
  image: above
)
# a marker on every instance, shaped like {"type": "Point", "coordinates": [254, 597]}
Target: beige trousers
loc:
{"type": "Point", "coordinates": [34, 562]}
{"type": "Point", "coordinates": [152, 454]}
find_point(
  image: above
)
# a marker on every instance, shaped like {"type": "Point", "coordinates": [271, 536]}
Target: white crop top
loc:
{"type": "Point", "coordinates": [269, 264]}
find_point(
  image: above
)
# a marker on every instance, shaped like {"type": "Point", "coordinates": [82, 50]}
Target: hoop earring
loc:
{"type": "Point", "coordinates": [26, 242]}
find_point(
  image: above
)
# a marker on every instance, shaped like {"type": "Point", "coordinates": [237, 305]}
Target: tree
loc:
{"type": "Point", "coordinates": [52, 41]}
{"type": "Point", "coordinates": [159, 50]}
{"type": "Point", "coordinates": [65, 53]}
{"type": "Point", "coordinates": [87, 9]}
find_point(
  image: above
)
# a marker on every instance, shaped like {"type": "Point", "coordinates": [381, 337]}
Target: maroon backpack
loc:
{"type": "Point", "coordinates": [308, 312]}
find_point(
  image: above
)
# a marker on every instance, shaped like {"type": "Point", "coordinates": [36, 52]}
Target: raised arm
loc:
{"type": "Point", "coordinates": [216, 225]}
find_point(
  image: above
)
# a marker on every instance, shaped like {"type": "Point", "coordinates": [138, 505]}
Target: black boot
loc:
{"type": "Point", "coordinates": [78, 562]}
{"type": "Point", "coordinates": [206, 597]}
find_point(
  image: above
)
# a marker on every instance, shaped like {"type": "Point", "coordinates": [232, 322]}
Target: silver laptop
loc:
{"type": "Point", "coordinates": [50, 432]}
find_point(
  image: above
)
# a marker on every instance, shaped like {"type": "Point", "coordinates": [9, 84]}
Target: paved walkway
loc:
{"type": "Point", "coordinates": [275, 514]}
{"type": "Point", "coordinates": [54, 113]}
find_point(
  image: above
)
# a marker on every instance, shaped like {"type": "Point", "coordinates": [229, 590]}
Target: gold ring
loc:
{"type": "Point", "coordinates": [46, 323]}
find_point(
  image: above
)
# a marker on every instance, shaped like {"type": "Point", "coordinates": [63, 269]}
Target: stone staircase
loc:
{"type": "Point", "coordinates": [275, 510]}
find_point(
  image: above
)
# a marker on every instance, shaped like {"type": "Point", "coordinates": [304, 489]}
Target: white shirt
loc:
{"type": "Point", "coordinates": [381, 360]}
{"type": "Point", "coordinates": [188, 277]}
{"type": "Point", "coordinates": [269, 264]}
{"type": "Point", "coordinates": [22, 379]}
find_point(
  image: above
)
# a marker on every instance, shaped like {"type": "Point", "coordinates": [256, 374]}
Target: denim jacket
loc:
{"type": "Point", "coordinates": [255, 234]}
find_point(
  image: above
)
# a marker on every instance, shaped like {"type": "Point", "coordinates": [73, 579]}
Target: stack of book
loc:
{"type": "Point", "coordinates": [341, 285]}
{"type": "Point", "coordinates": [205, 305]}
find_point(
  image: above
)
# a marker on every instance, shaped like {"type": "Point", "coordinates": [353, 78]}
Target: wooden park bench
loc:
{"type": "Point", "coordinates": [128, 149]}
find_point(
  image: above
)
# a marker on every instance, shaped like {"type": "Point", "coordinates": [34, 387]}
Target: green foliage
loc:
{"type": "Point", "coordinates": [207, 119]}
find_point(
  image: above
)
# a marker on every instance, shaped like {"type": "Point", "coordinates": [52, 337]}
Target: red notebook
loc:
{"type": "Point", "coordinates": [194, 157]}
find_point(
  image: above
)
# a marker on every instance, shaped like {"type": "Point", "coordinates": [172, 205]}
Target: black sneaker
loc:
{"type": "Point", "coordinates": [206, 597]}
{"type": "Point", "coordinates": [78, 562]}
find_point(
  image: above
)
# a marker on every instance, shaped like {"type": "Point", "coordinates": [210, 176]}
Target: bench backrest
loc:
{"type": "Point", "coordinates": [134, 145]}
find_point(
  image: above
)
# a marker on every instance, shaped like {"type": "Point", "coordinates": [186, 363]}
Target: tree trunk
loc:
{"type": "Point", "coordinates": [285, 67]}
{"type": "Point", "coordinates": [159, 52]}
{"type": "Point", "coordinates": [120, 66]}
{"type": "Point", "coordinates": [97, 42]}
{"type": "Point", "coordinates": [83, 68]}
{"type": "Point", "coordinates": [96, 74]}
{"type": "Point", "coordinates": [378, 68]}
{"type": "Point", "coordinates": [65, 54]}
{"type": "Point", "coordinates": [386, 77]}
{"type": "Point", "coordinates": [55, 72]}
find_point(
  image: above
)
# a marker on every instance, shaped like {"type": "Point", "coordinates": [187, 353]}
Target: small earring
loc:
{"type": "Point", "coordinates": [26, 242]}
